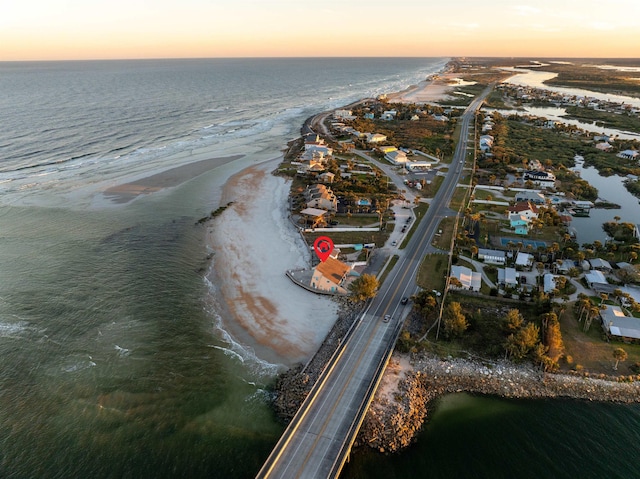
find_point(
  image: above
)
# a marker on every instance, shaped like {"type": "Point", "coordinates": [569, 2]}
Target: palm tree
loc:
{"type": "Point", "coordinates": [619, 354]}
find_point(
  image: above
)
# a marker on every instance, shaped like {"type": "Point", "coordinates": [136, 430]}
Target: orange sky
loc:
{"type": "Point", "coordinates": [74, 29]}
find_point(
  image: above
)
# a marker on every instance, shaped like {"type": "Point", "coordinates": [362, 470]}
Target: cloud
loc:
{"type": "Point", "coordinates": [602, 26]}
{"type": "Point", "coordinates": [525, 10]}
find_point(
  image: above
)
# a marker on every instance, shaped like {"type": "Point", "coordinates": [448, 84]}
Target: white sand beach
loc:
{"type": "Point", "coordinates": [253, 244]}
{"type": "Point", "coordinates": [427, 91]}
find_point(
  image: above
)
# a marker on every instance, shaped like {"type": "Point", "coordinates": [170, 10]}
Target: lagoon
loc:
{"type": "Point", "coordinates": [536, 79]}
{"type": "Point", "coordinates": [610, 188]}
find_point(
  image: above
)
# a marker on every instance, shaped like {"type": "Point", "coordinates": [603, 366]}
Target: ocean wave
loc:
{"type": "Point", "coordinates": [256, 367]}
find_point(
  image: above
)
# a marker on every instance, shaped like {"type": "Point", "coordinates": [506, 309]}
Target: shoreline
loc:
{"type": "Point", "coordinates": [409, 394]}
{"type": "Point", "coordinates": [259, 308]}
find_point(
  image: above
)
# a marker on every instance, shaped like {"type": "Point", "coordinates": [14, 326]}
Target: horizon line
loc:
{"type": "Point", "coordinates": [451, 57]}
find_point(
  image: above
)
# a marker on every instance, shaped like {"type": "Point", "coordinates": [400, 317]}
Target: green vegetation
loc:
{"type": "Point", "coordinates": [425, 134]}
{"type": "Point", "coordinates": [363, 288]}
{"type": "Point", "coordinates": [625, 122]}
{"type": "Point", "coordinates": [622, 232]}
{"type": "Point", "coordinates": [446, 226]}
{"type": "Point", "coordinates": [595, 79]}
{"type": "Point", "coordinates": [214, 213]}
{"type": "Point", "coordinates": [432, 272]}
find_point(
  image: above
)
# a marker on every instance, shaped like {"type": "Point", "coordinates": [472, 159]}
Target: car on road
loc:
{"type": "Point", "coordinates": [387, 318]}
{"type": "Point", "coordinates": [404, 300]}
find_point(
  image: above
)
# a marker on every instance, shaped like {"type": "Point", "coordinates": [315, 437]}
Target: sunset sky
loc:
{"type": "Point", "coordinates": [97, 29]}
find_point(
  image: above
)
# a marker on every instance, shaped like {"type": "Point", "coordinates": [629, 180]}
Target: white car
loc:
{"type": "Point", "coordinates": [394, 242]}
{"type": "Point", "coordinates": [387, 318]}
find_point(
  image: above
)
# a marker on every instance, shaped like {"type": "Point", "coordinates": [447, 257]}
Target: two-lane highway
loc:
{"type": "Point", "coordinates": [317, 442]}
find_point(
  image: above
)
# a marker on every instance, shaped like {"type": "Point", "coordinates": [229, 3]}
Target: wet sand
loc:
{"type": "Point", "coordinates": [127, 192]}
{"type": "Point", "coordinates": [254, 244]}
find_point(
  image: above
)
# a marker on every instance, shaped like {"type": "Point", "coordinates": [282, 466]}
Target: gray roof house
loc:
{"type": "Point", "coordinates": [616, 323]}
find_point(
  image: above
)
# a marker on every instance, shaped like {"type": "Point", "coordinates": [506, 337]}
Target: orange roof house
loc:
{"type": "Point", "coordinates": [330, 275]}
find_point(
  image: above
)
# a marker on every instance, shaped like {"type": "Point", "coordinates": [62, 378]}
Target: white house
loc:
{"type": "Point", "coordinates": [344, 114]}
{"type": "Point", "coordinates": [616, 323]}
{"type": "Point", "coordinates": [486, 142]}
{"type": "Point", "coordinates": [389, 115]}
{"type": "Point", "coordinates": [524, 208]}
{"type": "Point", "coordinates": [604, 146]}
{"type": "Point", "coordinates": [524, 260]}
{"type": "Point", "coordinates": [600, 264]}
{"type": "Point", "coordinates": [376, 138]}
{"type": "Point", "coordinates": [595, 277]}
{"type": "Point", "coordinates": [508, 276]}
{"type": "Point", "coordinates": [549, 282]}
{"type": "Point", "coordinates": [396, 157]}
{"type": "Point", "coordinates": [628, 154]}
{"type": "Point", "coordinates": [540, 178]}
{"type": "Point", "coordinates": [469, 280]}
{"type": "Point", "coordinates": [492, 256]}
{"type": "Point", "coordinates": [417, 166]}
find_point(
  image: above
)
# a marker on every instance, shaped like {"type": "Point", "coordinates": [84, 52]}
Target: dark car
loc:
{"type": "Point", "coordinates": [404, 300]}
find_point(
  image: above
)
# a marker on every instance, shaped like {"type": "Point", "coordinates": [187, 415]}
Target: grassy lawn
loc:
{"type": "Point", "coordinates": [431, 189]}
{"type": "Point", "coordinates": [443, 240]}
{"type": "Point", "coordinates": [432, 272]}
{"type": "Point", "coordinates": [590, 350]}
{"type": "Point", "coordinates": [360, 220]}
{"type": "Point", "coordinates": [460, 197]}
{"type": "Point", "coordinates": [350, 237]}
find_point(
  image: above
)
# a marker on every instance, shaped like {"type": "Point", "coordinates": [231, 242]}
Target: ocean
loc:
{"type": "Point", "coordinates": [113, 360]}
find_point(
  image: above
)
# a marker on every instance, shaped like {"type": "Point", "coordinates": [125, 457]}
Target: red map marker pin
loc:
{"type": "Point", "coordinates": [323, 246]}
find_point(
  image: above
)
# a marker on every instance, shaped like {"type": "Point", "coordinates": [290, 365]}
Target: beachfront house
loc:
{"type": "Point", "coordinates": [313, 217]}
{"type": "Point", "coordinates": [321, 196]}
{"type": "Point", "coordinates": [466, 279]}
{"type": "Point", "coordinates": [330, 276]}
{"type": "Point", "coordinates": [617, 324]}
{"type": "Point", "coordinates": [344, 114]}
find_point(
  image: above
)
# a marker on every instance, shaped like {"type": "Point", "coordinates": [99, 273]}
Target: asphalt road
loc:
{"type": "Point", "coordinates": [318, 440]}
